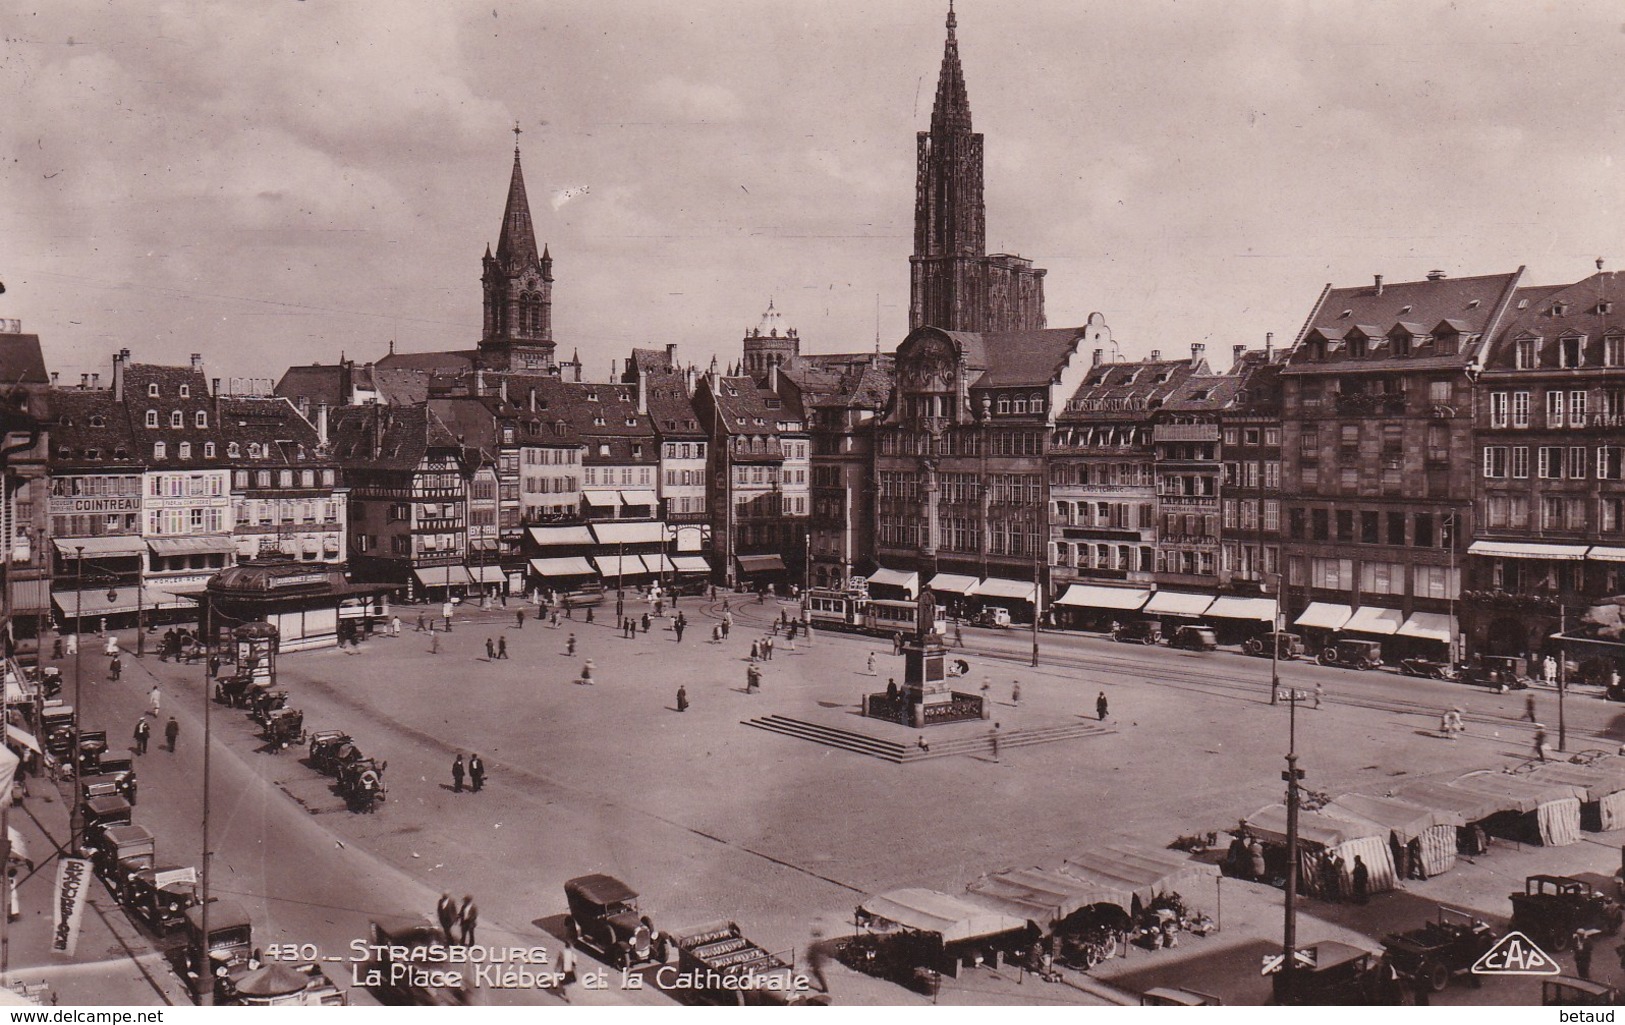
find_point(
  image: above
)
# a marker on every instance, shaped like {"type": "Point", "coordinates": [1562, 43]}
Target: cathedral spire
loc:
{"type": "Point", "coordinates": [518, 238]}
{"type": "Point", "coordinates": [951, 112]}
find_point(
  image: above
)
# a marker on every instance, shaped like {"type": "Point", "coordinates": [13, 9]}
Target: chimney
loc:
{"type": "Point", "coordinates": [321, 423]}
{"type": "Point", "coordinates": [502, 387]}
{"type": "Point", "coordinates": [215, 387]}
{"type": "Point", "coordinates": [533, 399]}
{"type": "Point", "coordinates": [1156, 354]}
{"type": "Point", "coordinates": [689, 379]}
{"type": "Point", "coordinates": [1269, 347]}
{"type": "Point", "coordinates": [95, 382]}
{"type": "Point", "coordinates": [643, 390]}
{"type": "Point", "coordinates": [479, 381]}
{"type": "Point", "coordinates": [377, 433]}
{"type": "Point", "coordinates": [84, 382]}
{"type": "Point", "coordinates": [671, 347]}
{"type": "Point", "coordinates": [613, 364]}
{"type": "Point", "coordinates": [1436, 275]}
{"type": "Point", "coordinates": [1197, 351]}
{"type": "Point", "coordinates": [121, 359]}
{"type": "Point", "coordinates": [197, 362]}
{"type": "Point", "coordinates": [578, 371]}
{"type": "Point", "coordinates": [54, 376]}
{"type": "Point", "coordinates": [1098, 355]}
{"type": "Point", "coordinates": [773, 377]}
{"type": "Point", "coordinates": [1379, 284]}
{"type": "Point", "coordinates": [1236, 352]}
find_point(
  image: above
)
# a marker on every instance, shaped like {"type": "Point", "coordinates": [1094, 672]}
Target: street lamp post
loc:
{"type": "Point", "coordinates": [1275, 643]}
{"type": "Point", "coordinates": [1038, 603]}
{"type": "Point", "coordinates": [76, 817]}
{"type": "Point", "coordinates": [1562, 678]}
{"type": "Point", "coordinates": [1292, 775]}
{"type": "Point", "coordinates": [140, 608]}
{"type": "Point", "coordinates": [205, 968]}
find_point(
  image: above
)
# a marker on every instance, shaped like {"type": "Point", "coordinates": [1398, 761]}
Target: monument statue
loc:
{"type": "Point", "coordinates": [925, 620]}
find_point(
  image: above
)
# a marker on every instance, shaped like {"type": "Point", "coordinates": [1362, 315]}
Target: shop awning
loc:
{"type": "Point", "coordinates": [659, 563]}
{"type": "Point", "coordinates": [953, 918]}
{"type": "Point", "coordinates": [760, 563]}
{"type": "Point", "coordinates": [639, 498]}
{"type": "Point", "coordinates": [100, 547]}
{"type": "Point", "coordinates": [1090, 596]}
{"type": "Point", "coordinates": [1231, 607]}
{"type": "Point", "coordinates": [1121, 872]}
{"type": "Point", "coordinates": [909, 582]}
{"type": "Point", "coordinates": [95, 603]}
{"type": "Point", "coordinates": [220, 545]}
{"type": "Point", "coordinates": [614, 567]}
{"type": "Point", "coordinates": [1371, 619]}
{"type": "Point", "coordinates": [23, 737]}
{"type": "Point", "coordinates": [557, 537]}
{"type": "Point", "coordinates": [1522, 550]}
{"type": "Point", "coordinates": [487, 573]}
{"type": "Point", "coordinates": [1603, 553]}
{"type": "Point", "coordinates": [1406, 820]}
{"type": "Point", "coordinates": [30, 596]}
{"type": "Point", "coordinates": [1324, 616]}
{"type": "Point", "coordinates": [442, 576]}
{"type": "Point", "coordinates": [953, 583]}
{"type": "Point", "coordinates": [1177, 603]}
{"type": "Point", "coordinates": [1040, 896]}
{"type": "Point", "coordinates": [1269, 825]}
{"type": "Point", "coordinates": [642, 532]}
{"type": "Point", "coordinates": [176, 598]}
{"type": "Point", "coordinates": [1429, 626]}
{"type": "Point", "coordinates": [691, 564]}
{"type": "Point", "coordinates": [1517, 793]}
{"type": "Point", "coordinates": [998, 587]}
{"type": "Point", "coordinates": [1470, 805]}
{"type": "Point", "coordinates": [1599, 778]}
{"type": "Point", "coordinates": [602, 499]}
{"type": "Point", "coordinates": [575, 566]}
{"type": "Point", "coordinates": [690, 538]}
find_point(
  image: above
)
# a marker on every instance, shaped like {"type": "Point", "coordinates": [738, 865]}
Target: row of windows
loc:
{"type": "Point", "coordinates": [686, 450]}
{"type": "Point", "coordinates": [1250, 514]}
{"type": "Point", "coordinates": [550, 485]}
{"type": "Point", "coordinates": [686, 478]}
{"type": "Point", "coordinates": [550, 456]}
{"type": "Point", "coordinates": [1370, 527]}
{"type": "Point", "coordinates": [1125, 558]}
{"type": "Point", "coordinates": [1442, 582]}
{"type": "Point", "coordinates": [1563, 408]}
{"type": "Point", "coordinates": [606, 475]}
{"type": "Point", "coordinates": [1104, 475]}
{"type": "Point", "coordinates": [1253, 475]}
{"type": "Point", "coordinates": [1349, 478]}
{"type": "Point", "coordinates": [1553, 462]}
{"type": "Point", "coordinates": [284, 478]}
{"type": "Point", "coordinates": [177, 419]}
{"type": "Point", "coordinates": [181, 485]}
{"type": "Point", "coordinates": [100, 486]}
{"type": "Point", "coordinates": [1190, 562]}
{"type": "Point", "coordinates": [286, 511]}
{"type": "Point", "coordinates": [186, 521]}
{"type": "Point", "coordinates": [1568, 352]}
{"type": "Point", "coordinates": [1115, 515]}
{"type": "Point", "coordinates": [1249, 561]}
{"type": "Point", "coordinates": [1252, 436]}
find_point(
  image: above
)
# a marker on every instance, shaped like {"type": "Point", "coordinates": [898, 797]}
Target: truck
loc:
{"type": "Point", "coordinates": [717, 964]}
{"type": "Point", "coordinates": [156, 895]}
{"type": "Point", "coordinates": [238, 975]}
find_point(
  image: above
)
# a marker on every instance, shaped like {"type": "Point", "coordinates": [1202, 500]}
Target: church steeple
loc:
{"type": "Point", "coordinates": [951, 112]}
{"type": "Point", "coordinates": [518, 286]}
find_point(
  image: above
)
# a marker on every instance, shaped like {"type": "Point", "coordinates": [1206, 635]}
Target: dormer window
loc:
{"type": "Point", "coordinates": [592, 396]}
{"type": "Point", "coordinates": [176, 421]}
{"type": "Point", "coordinates": [598, 421]}
{"type": "Point", "coordinates": [1345, 315]}
{"type": "Point", "coordinates": [208, 450]}
{"type": "Point", "coordinates": [1356, 347]}
{"type": "Point", "coordinates": [1021, 407]}
{"type": "Point", "coordinates": [1526, 353]}
{"type": "Point", "coordinates": [1404, 310]}
{"type": "Point", "coordinates": [152, 418]}
{"type": "Point", "coordinates": [631, 421]}
{"type": "Point", "coordinates": [1316, 350]}
{"type": "Point", "coordinates": [1473, 304]}
{"type": "Point", "coordinates": [1613, 351]}
{"type": "Point", "coordinates": [158, 450]}
{"type": "Point", "coordinates": [1523, 304]}
{"type": "Point", "coordinates": [185, 451]}
{"type": "Point", "coordinates": [93, 453]}
{"type": "Point", "coordinates": [1571, 353]}
{"type": "Point", "coordinates": [233, 450]}
{"type": "Point", "coordinates": [253, 450]}
{"type": "Point", "coordinates": [186, 391]}
{"type": "Point", "coordinates": [152, 390]}
{"type": "Point", "coordinates": [98, 421]}
{"type": "Point", "coordinates": [1605, 307]}
{"type": "Point", "coordinates": [1560, 309]}
{"type": "Point", "coordinates": [201, 420]}
{"type": "Point", "coordinates": [1004, 404]}
{"type": "Point", "coordinates": [1400, 345]}
{"type": "Point", "coordinates": [637, 451]}
{"type": "Point", "coordinates": [760, 422]}
{"type": "Point", "coordinates": [603, 450]}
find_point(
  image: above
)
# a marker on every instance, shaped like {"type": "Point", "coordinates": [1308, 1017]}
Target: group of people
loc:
{"type": "Point", "coordinates": [458, 921]}
{"type": "Point", "coordinates": [475, 773]}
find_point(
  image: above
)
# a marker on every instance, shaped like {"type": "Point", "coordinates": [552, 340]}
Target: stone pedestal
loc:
{"type": "Point", "coordinates": [925, 676]}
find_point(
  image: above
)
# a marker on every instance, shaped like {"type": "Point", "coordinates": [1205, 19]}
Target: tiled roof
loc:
{"type": "Point", "coordinates": [21, 361]}
{"type": "Point", "coordinates": [313, 384]}
{"type": "Point", "coordinates": [1583, 304]}
{"type": "Point", "coordinates": [1130, 390]}
{"type": "Point", "coordinates": [89, 421]}
{"type": "Point", "coordinates": [1477, 302]}
{"type": "Point", "coordinates": [1024, 358]}
{"type": "Point", "coordinates": [450, 361]}
{"type": "Point", "coordinates": [740, 403]}
{"type": "Point", "coordinates": [139, 381]}
{"type": "Point", "coordinates": [400, 386]}
{"type": "Point", "coordinates": [274, 425]}
{"type": "Point", "coordinates": [408, 433]}
{"type": "Point", "coordinates": [671, 411]}
{"type": "Point", "coordinates": [1204, 392]}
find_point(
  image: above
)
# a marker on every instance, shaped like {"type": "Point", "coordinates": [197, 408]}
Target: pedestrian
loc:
{"type": "Point", "coordinates": [422, 623]}
{"type": "Point", "coordinates": [1446, 729]}
{"type": "Point", "coordinates": [555, 619]}
{"type": "Point", "coordinates": [682, 698]}
{"type": "Point", "coordinates": [445, 910]}
{"type": "Point", "coordinates": [143, 731]}
{"type": "Point", "coordinates": [394, 626]}
{"type": "Point", "coordinates": [1362, 881]}
{"type": "Point", "coordinates": [727, 624]}
{"type": "Point", "coordinates": [767, 648]}
{"type": "Point", "coordinates": [470, 915]}
{"type": "Point", "coordinates": [790, 638]}
{"type": "Point", "coordinates": [502, 646]}
{"type": "Point", "coordinates": [1100, 706]}
{"type": "Point", "coordinates": [589, 615]}
{"type": "Point", "coordinates": [570, 612]}
{"type": "Point", "coordinates": [457, 774]}
{"type": "Point", "coordinates": [816, 958]}
{"type": "Point", "coordinates": [567, 969]}
{"type": "Point", "coordinates": [56, 650]}
{"type": "Point", "coordinates": [959, 636]}
{"type": "Point", "coordinates": [871, 669]}
{"type": "Point", "coordinates": [1582, 953]}
{"type": "Point", "coordinates": [519, 619]}
{"type": "Point", "coordinates": [115, 669]}
{"type": "Point", "coordinates": [1320, 693]}
{"type": "Point", "coordinates": [993, 740]}
{"type": "Point", "coordinates": [154, 699]}
{"type": "Point", "coordinates": [1540, 741]}
{"type": "Point", "coordinates": [716, 634]}
{"type": "Point", "coordinates": [677, 628]}
{"type": "Point", "coordinates": [112, 645]}
{"type": "Point", "coordinates": [72, 647]}
{"type": "Point", "coordinates": [434, 643]}
{"type": "Point", "coordinates": [476, 773]}
{"type": "Point", "coordinates": [172, 732]}
{"type": "Point", "coordinates": [214, 666]}
{"type": "Point", "coordinates": [1255, 860]}
{"type": "Point", "coordinates": [645, 622]}
{"type": "Point", "coordinates": [753, 679]}
{"type": "Point", "coordinates": [891, 691]}
{"type": "Point", "coordinates": [586, 672]}
{"type": "Point", "coordinates": [570, 646]}
{"type": "Point", "coordinates": [490, 650]}
{"type": "Point", "coordinates": [755, 650]}
{"type": "Point", "coordinates": [1015, 693]}
{"type": "Point", "coordinates": [897, 643]}
{"type": "Point", "coordinates": [1529, 707]}
{"type": "Point", "coordinates": [445, 613]}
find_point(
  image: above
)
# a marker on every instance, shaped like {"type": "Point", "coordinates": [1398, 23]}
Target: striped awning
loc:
{"type": "Point", "coordinates": [1324, 616]}
{"type": "Point", "coordinates": [1370, 619]}
{"type": "Point", "coordinates": [100, 547]}
{"type": "Point", "coordinates": [1177, 603]}
{"type": "Point", "coordinates": [1230, 606]}
{"type": "Point", "coordinates": [574, 566]}
{"type": "Point", "coordinates": [691, 564]}
{"type": "Point", "coordinates": [760, 563]}
{"type": "Point", "coordinates": [1090, 596]}
{"type": "Point", "coordinates": [443, 576]}
{"type": "Point", "coordinates": [557, 537]}
{"type": "Point", "coordinates": [953, 583]}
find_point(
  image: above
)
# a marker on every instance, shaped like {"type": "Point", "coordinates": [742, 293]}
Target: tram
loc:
{"type": "Point", "coordinates": [856, 612]}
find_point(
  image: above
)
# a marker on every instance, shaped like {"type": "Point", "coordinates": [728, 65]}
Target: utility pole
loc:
{"type": "Point", "coordinates": [1289, 931]}
{"type": "Point", "coordinates": [1562, 678]}
{"type": "Point", "coordinates": [205, 968]}
{"type": "Point", "coordinates": [76, 818]}
{"type": "Point", "coordinates": [1038, 603]}
{"type": "Point", "coordinates": [1275, 644]}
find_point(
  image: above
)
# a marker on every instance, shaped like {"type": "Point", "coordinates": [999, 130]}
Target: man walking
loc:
{"type": "Point", "coordinates": [470, 915]}
{"type": "Point", "coordinates": [1015, 693]}
{"type": "Point", "coordinates": [570, 646]}
{"type": "Point", "coordinates": [1529, 707]}
{"type": "Point", "coordinates": [1100, 706]}
{"type": "Point", "coordinates": [154, 699]}
{"type": "Point", "coordinates": [677, 628]}
{"type": "Point", "coordinates": [457, 774]}
{"type": "Point", "coordinates": [394, 626]}
{"type": "Point", "coordinates": [767, 648]}
{"type": "Point", "coordinates": [476, 773]}
{"type": "Point", "coordinates": [422, 624]}
{"type": "Point", "coordinates": [519, 619]}
{"type": "Point", "coordinates": [490, 650]}
{"type": "Point", "coordinates": [502, 646]}
{"type": "Point", "coordinates": [434, 643]}
{"type": "Point", "coordinates": [172, 732]}
{"type": "Point", "coordinates": [445, 910]}
{"type": "Point", "coordinates": [682, 698]}
{"type": "Point", "coordinates": [1362, 881]}
{"type": "Point", "coordinates": [143, 731]}
{"type": "Point", "coordinates": [994, 741]}
{"type": "Point", "coordinates": [1540, 741]}
{"type": "Point", "coordinates": [115, 669]}
{"type": "Point", "coordinates": [871, 664]}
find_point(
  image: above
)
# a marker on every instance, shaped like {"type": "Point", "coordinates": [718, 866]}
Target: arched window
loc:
{"type": "Point", "coordinates": [152, 390]}
{"type": "Point", "coordinates": [233, 450]}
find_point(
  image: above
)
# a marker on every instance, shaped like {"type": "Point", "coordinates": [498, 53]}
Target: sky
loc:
{"type": "Point", "coordinates": [283, 181]}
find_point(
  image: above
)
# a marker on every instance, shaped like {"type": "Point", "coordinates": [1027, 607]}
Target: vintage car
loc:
{"type": "Point", "coordinates": [993, 616]}
{"type": "Point", "coordinates": [361, 782]}
{"type": "Point", "coordinates": [1446, 946]}
{"type": "Point", "coordinates": [604, 918]}
{"type": "Point", "coordinates": [97, 814]}
{"type": "Point", "coordinates": [1195, 637]}
{"type": "Point", "coordinates": [117, 776]}
{"type": "Point", "coordinates": [1427, 669]}
{"type": "Point", "coordinates": [1352, 653]}
{"type": "Point", "coordinates": [329, 749]}
{"type": "Point", "coordinates": [1288, 646]}
{"type": "Point", "coordinates": [1497, 672]}
{"type": "Point", "coordinates": [160, 896]}
{"type": "Point", "coordinates": [226, 957]}
{"type": "Point", "coordinates": [1331, 973]}
{"type": "Point", "coordinates": [1139, 631]}
{"type": "Point", "coordinates": [284, 728]}
{"type": "Point", "coordinates": [416, 980]}
{"type": "Point", "coordinates": [56, 724]}
{"type": "Point", "coordinates": [1551, 908]}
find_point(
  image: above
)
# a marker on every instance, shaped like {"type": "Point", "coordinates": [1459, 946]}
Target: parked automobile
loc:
{"type": "Point", "coordinates": [1171, 996]}
{"type": "Point", "coordinates": [1448, 945]}
{"type": "Point", "coordinates": [330, 749]}
{"type": "Point", "coordinates": [1139, 631]}
{"type": "Point", "coordinates": [1331, 973]}
{"type": "Point", "coordinates": [993, 616]}
{"type": "Point", "coordinates": [1498, 672]}
{"type": "Point", "coordinates": [604, 918]}
{"type": "Point", "coordinates": [56, 723]}
{"type": "Point", "coordinates": [1427, 668]}
{"type": "Point", "coordinates": [1551, 908]}
{"type": "Point", "coordinates": [1288, 646]}
{"type": "Point", "coordinates": [1195, 637]}
{"type": "Point", "coordinates": [1351, 653]}
{"type": "Point", "coordinates": [97, 814]}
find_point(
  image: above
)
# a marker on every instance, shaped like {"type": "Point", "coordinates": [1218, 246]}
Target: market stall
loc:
{"type": "Point", "coordinates": [914, 928]}
{"type": "Point", "coordinates": [1604, 783]}
{"type": "Point", "coordinates": [1325, 841]}
{"type": "Point", "coordinates": [1422, 839]}
{"type": "Point", "coordinates": [1528, 811]}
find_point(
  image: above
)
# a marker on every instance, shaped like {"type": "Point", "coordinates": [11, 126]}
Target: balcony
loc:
{"type": "Point", "coordinates": [1185, 432]}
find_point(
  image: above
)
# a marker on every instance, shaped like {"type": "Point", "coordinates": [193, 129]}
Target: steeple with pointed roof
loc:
{"type": "Point", "coordinates": [955, 285]}
{"type": "Point", "coordinates": [518, 287]}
